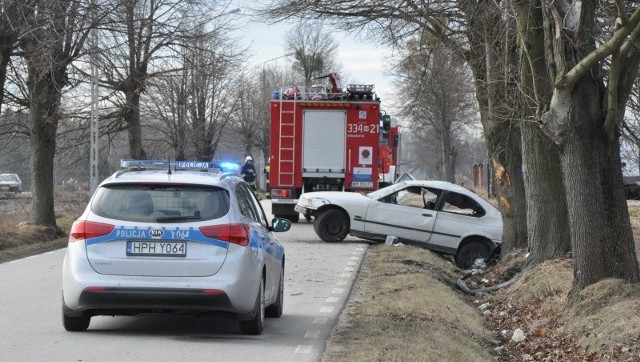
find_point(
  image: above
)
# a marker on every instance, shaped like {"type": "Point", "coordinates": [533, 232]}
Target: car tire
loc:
{"type": "Point", "coordinates": [332, 225]}
{"type": "Point", "coordinates": [76, 324]}
{"type": "Point", "coordinates": [256, 324]}
{"type": "Point", "coordinates": [275, 309]}
{"type": "Point", "coordinates": [468, 254]}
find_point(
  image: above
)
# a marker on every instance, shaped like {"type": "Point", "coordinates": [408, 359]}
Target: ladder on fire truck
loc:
{"type": "Point", "coordinates": [287, 144]}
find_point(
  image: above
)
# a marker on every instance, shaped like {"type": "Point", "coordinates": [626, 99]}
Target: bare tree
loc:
{"type": "Point", "coordinates": [141, 39]}
{"type": "Point", "coordinates": [438, 102]}
{"type": "Point", "coordinates": [54, 35]}
{"type": "Point", "coordinates": [314, 49]}
{"type": "Point", "coordinates": [582, 117]}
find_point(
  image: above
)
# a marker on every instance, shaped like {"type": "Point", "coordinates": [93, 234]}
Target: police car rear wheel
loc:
{"type": "Point", "coordinates": [76, 324]}
{"type": "Point", "coordinates": [256, 324]}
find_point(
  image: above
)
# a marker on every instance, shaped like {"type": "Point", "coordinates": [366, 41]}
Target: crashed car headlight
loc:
{"type": "Point", "coordinates": [303, 201]}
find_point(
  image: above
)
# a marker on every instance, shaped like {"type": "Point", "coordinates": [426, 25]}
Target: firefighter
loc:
{"type": "Point", "coordinates": [267, 169]}
{"type": "Point", "coordinates": [248, 172]}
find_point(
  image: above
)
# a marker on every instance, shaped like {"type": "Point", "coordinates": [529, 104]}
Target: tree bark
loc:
{"type": "Point", "coordinates": [132, 118]}
{"type": "Point", "coordinates": [548, 227]}
{"type": "Point", "coordinates": [44, 106]}
{"type": "Point", "coordinates": [495, 87]}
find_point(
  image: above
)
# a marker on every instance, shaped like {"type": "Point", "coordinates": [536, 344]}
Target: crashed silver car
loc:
{"type": "Point", "coordinates": [438, 215]}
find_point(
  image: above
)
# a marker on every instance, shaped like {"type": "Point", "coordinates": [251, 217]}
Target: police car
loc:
{"type": "Point", "coordinates": [166, 237]}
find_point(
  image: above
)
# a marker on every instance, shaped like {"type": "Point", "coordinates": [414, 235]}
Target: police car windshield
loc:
{"type": "Point", "coordinates": [160, 203]}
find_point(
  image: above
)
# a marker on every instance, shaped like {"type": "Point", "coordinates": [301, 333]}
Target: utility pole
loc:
{"type": "Point", "coordinates": [94, 129]}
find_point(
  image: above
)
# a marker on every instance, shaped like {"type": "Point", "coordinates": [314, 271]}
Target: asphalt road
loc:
{"type": "Point", "coordinates": [319, 277]}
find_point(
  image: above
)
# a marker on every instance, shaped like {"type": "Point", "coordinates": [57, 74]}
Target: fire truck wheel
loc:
{"type": "Point", "coordinates": [332, 225]}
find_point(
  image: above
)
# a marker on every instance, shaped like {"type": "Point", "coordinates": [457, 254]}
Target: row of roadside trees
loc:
{"type": "Point", "coordinates": [173, 83]}
{"type": "Point", "coordinates": [552, 83]}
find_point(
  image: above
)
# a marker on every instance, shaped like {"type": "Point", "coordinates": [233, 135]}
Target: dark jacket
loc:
{"type": "Point", "coordinates": [248, 172]}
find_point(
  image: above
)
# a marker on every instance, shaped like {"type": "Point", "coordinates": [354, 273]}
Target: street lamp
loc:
{"type": "Point", "coordinates": [264, 64]}
{"type": "Point", "coordinates": [276, 58]}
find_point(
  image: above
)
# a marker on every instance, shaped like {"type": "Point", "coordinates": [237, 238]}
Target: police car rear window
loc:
{"type": "Point", "coordinates": [161, 203]}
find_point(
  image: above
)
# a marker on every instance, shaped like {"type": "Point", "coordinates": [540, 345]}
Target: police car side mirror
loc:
{"type": "Point", "coordinates": [280, 225]}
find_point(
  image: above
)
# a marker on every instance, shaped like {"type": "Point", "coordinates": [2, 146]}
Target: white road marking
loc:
{"type": "Point", "coordinates": [337, 291]}
{"type": "Point", "coordinates": [326, 310]}
{"type": "Point", "coordinates": [312, 334]}
{"type": "Point", "coordinates": [303, 349]}
{"type": "Point", "coordinates": [332, 300]}
{"type": "Point", "coordinates": [320, 320]}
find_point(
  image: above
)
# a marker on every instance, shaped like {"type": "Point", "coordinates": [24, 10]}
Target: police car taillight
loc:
{"type": "Point", "coordinates": [280, 193]}
{"type": "Point", "coordinates": [232, 233]}
{"type": "Point", "coordinates": [81, 230]}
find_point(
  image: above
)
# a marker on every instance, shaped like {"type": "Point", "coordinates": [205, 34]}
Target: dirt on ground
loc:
{"type": "Point", "coordinates": [406, 305]}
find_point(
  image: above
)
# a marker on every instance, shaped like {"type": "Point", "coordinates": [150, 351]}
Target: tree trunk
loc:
{"type": "Point", "coordinates": [601, 238]}
{"type": "Point", "coordinates": [44, 99]}
{"type": "Point", "coordinates": [548, 227]}
{"type": "Point", "coordinates": [132, 117]}
{"type": "Point", "coordinates": [6, 44]}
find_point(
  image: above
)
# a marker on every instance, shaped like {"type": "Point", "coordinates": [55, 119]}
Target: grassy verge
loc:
{"type": "Point", "coordinates": [405, 307]}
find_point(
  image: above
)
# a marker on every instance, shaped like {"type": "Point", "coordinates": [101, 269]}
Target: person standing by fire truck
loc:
{"type": "Point", "coordinates": [248, 172]}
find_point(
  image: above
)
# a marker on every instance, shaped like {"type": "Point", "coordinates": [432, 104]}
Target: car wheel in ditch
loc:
{"type": "Point", "coordinates": [256, 324]}
{"type": "Point", "coordinates": [468, 254]}
{"type": "Point", "coordinates": [275, 310]}
{"type": "Point", "coordinates": [332, 225]}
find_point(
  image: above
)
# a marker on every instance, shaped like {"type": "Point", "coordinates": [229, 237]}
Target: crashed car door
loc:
{"type": "Point", "coordinates": [406, 220]}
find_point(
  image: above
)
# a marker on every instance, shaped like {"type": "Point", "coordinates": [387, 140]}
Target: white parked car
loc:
{"type": "Point", "coordinates": [438, 215]}
{"type": "Point", "coordinates": [171, 240]}
{"type": "Point", "coordinates": [10, 182]}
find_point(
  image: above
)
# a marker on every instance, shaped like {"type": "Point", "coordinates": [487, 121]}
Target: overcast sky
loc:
{"type": "Point", "coordinates": [364, 61]}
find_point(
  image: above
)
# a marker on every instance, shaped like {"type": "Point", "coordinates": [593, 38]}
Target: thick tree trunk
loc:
{"type": "Point", "coordinates": [601, 238]}
{"type": "Point", "coordinates": [548, 227]}
{"type": "Point", "coordinates": [132, 117]}
{"type": "Point", "coordinates": [492, 53]}
{"type": "Point", "coordinates": [44, 100]}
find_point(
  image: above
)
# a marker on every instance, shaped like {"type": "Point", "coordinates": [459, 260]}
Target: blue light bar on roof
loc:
{"type": "Point", "coordinates": [229, 166]}
{"type": "Point", "coordinates": [165, 164]}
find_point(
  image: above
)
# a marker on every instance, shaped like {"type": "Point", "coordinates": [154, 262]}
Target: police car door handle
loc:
{"type": "Point", "coordinates": [427, 215]}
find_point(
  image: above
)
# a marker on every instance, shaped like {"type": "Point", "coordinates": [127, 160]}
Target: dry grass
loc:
{"type": "Point", "coordinates": [20, 238]}
{"type": "Point", "coordinates": [404, 308]}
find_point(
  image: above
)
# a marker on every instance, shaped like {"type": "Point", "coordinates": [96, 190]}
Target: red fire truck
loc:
{"type": "Point", "coordinates": [323, 140]}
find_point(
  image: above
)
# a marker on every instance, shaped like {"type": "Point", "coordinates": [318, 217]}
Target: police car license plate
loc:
{"type": "Point", "coordinates": [157, 248]}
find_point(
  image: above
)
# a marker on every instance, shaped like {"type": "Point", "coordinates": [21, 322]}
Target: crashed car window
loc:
{"type": "Point", "coordinates": [161, 203]}
{"type": "Point", "coordinates": [461, 204]}
{"type": "Point", "coordinates": [411, 196]}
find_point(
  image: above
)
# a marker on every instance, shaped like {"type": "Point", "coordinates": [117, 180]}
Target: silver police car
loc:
{"type": "Point", "coordinates": [166, 237]}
